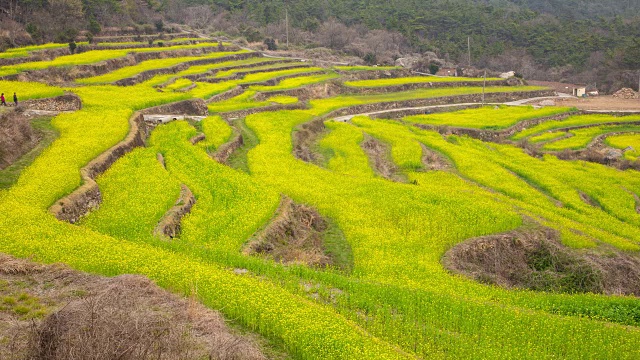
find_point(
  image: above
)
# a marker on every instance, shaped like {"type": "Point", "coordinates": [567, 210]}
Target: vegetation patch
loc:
{"type": "Point", "coordinates": [533, 258]}
{"type": "Point", "coordinates": [380, 159]}
{"type": "Point", "coordinates": [53, 312]}
{"type": "Point", "coordinates": [488, 117]}
{"type": "Point", "coordinates": [298, 234]}
{"type": "Point", "coordinates": [14, 156]}
{"type": "Point", "coordinates": [169, 225]}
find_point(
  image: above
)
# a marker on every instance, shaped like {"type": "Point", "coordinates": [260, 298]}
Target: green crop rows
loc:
{"type": "Point", "coordinates": [396, 300]}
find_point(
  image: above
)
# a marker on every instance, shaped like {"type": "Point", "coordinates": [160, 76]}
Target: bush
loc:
{"type": "Point", "coordinates": [72, 46]}
{"type": "Point", "coordinates": [271, 44]}
{"type": "Point", "coordinates": [148, 28]}
{"type": "Point", "coordinates": [433, 68]}
{"type": "Point", "coordinates": [94, 27]}
{"type": "Point", "coordinates": [159, 25]}
{"type": "Point", "coordinates": [370, 58]}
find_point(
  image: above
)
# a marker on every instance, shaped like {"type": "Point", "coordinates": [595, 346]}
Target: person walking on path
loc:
{"type": "Point", "coordinates": [15, 99]}
{"type": "Point", "coordinates": [2, 101]}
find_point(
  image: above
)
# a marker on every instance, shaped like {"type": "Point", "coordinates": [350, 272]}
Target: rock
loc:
{"type": "Point", "coordinates": [514, 81]}
{"type": "Point", "coordinates": [240, 271]}
{"type": "Point", "coordinates": [408, 61]}
{"type": "Point", "coordinates": [612, 154]}
{"type": "Point", "coordinates": [625, 93]}
{"type": "Point", "coordinates": [507, 75]}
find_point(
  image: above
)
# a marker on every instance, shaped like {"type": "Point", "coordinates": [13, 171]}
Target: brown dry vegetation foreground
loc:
{"type": "Point", "coordinates": [601, 103]}
{"type": "Point", "coordinates": [53, 312]}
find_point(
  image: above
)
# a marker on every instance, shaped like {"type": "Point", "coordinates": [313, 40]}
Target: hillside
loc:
{"type": "Point", "coordinates": [336, 211]}
{"type": "Point", "coordinates": [579, 41]}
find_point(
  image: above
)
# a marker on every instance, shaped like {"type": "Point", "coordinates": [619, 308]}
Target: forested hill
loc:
{"type": "Point", "coordinates": [589, 41]}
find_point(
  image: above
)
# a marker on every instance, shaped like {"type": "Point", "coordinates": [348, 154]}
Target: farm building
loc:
{"type": "Point", "coordinates": [447, 71]}
{"type": "Point", "coordinates": [579, 91]}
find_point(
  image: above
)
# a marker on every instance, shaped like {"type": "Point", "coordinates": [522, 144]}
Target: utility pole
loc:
{"type": "Point", "coordinates": [484, 85]}
{"type": "Point", "coordinates": [286, 20]}
{"type": "Point", "coordinates": [469, 49]}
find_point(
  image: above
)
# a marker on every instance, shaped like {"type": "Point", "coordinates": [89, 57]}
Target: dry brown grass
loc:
{"type": "Point", "coordinates": [92, 317]}
{"type": "Point", "coordinates": [533, 258]}
{"type": "Point", "coordinates": [379, 156]}
{"type": "Point", "coordinates": [295, 235]}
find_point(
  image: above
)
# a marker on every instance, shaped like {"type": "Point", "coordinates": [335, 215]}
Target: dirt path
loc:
{"type": "Point", "coordinates": [602, 103]}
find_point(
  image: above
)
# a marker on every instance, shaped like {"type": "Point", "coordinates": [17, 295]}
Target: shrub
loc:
{"type": "Point", "coordinates": [271, 44]}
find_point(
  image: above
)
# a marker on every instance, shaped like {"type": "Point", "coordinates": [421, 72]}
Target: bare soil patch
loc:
{"type": "Point", "coordinates": [169, 225]}
{"type": "Point", "coordinates": [380, 159]}
{"type": "Point", "coordinates": [305, 138]}
{"type": "Point", "coordinates": [533, 258]}
{"type": "Point", "coordinates": [17, 137]}
{"type": "Point", "coordinates": [52, 312]}
{"type": "Point", "coordinates": [298, 234]}
{"type": "Point", "coordinates": [603, 102]}
{"type": "Point", "coordinates": [433, 160]}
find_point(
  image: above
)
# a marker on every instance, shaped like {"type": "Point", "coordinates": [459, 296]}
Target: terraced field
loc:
{"type": "Point", "coordinates": [354, 239]}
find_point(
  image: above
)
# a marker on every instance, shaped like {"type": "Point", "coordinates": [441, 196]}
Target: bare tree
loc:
{"type": "Point", "coordinates": [199, 17]}
{"type": "Point", "coordinates": [335, 35]}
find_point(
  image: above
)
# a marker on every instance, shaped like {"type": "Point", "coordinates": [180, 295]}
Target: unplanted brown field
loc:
{"type": "Point", "coordinates": [601, 103]}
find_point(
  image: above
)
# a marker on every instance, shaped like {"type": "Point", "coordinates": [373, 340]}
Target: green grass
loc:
{"type": "Point", "coordinates": [488, 117]}
{"type": "Point", "coordinates": [238, 160]}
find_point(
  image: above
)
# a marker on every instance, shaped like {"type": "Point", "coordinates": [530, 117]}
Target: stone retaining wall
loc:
{"type": "Point", "coordinates": [375, 74]}
{"type": "Point", "coordinates": [304, 93]}
{"type": "Point", "coordinates": [146, 75]}
{"type": "Point", "coordinates": [66, 102]}
{"type": "Point", "coordinates": [103, 67]}
{"type": "Point", "coordinates": [88, 196]}
{"type": "Point", "coordinates": [169, 225]}
{"type": "Point", "coordinates": [276, 81]}
{"type": "Point", "coordinates": [423, 85]}
{"type": "Point", "coordinates": [228, 116]}
{"type": "Point", "coordinates": [202, 77]}
{"type": "Point", "coordinates": [226, 95]}
{"type": "Point", "coordinates": [224, 151]}
{"type": "Point", "coordinates": [471, 98]}
{"type": "Point", "coordinates": [193, 107]}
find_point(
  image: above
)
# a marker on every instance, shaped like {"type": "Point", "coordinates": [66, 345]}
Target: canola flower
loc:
{"type": "Point", "coordinates": [488, 117]}
{"type": "Point", "coordinates": [397, 301]}
{"type": "Point", "coordinates": [627, 141]}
